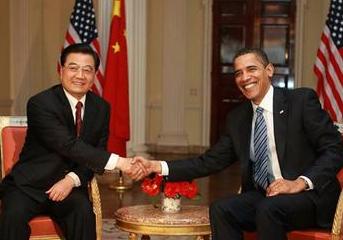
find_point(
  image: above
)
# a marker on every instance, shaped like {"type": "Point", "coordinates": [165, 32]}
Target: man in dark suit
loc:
{"type": "Point", "coordinates": [289, 152]}
{"type": "Point", "coordinates": [65, 144]}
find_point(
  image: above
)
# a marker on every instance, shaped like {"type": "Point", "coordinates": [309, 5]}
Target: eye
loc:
{"type": "Point", "coordinates": [88, 70]}
{"type": "Point", "coordinates": [73, 68]}
{"type": "Point", "coordinates": [237, 74]}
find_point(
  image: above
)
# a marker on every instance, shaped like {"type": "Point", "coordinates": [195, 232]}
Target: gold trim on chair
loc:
{"type": "Point", "coordinates": [337, 223]}
{"type": "Point", "coordinates": [95, 198]}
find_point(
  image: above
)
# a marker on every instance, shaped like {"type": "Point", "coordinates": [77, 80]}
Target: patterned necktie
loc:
{"type": "Point", "coordinates": [78, 119]}
{"type": "Point", "coordinates": [260, 149]}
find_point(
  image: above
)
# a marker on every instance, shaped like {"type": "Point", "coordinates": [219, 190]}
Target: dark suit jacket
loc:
{"type": "Point", "coordinates": [51, 148]}
{"type": "Point", "coordinates": [307, 144]}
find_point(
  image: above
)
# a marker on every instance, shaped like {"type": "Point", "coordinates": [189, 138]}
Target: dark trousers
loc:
{"type": "Point", "coordinates": [270, 217]}
{"type": "Point", "coordinates": [74, 215]}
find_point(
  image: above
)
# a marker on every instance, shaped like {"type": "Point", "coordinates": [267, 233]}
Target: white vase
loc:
{"type": "Point", "coordinates": [170, 205]}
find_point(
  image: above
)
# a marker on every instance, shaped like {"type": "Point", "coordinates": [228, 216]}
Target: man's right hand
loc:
{"type": "Point", "coordinates": [135, 170]}
{"type": "Point", "coordinates": [151, 166]}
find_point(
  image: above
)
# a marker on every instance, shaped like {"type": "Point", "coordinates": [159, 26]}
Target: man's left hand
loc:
{"type": "Point", "coordinates": [283, 186]}
{"type": "Point", "coordinates": [60, 190]}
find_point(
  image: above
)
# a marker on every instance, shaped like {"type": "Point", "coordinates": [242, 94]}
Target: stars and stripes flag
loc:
{"type": "Point", "coordinates": [329, 63]}
{"type": "Point", "coordinates": [116, 84]}
{"type": "Point", "coordinates": [82, 29]}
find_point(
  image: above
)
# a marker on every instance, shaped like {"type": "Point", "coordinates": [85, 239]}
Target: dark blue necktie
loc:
{"type": "Point", "coordinates": [261, 150]}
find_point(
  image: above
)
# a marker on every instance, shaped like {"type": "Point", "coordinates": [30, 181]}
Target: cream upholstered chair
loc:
{"type": "Point", "coordinates": [13, 132]}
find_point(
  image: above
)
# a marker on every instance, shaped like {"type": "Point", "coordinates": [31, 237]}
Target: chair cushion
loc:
{"type": "Point", "coordinates": [314, 234]}
{"type": "Point", "coordinates": [43, 226]}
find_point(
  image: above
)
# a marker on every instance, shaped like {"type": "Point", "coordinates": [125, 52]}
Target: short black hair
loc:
{"type": "Point", "coordinates": [258, 52]}
{"type": "Point", "coordinates": [80, 48]}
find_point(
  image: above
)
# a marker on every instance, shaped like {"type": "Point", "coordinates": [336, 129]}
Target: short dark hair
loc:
{"type": "Point", "coordinates": [259, 53]}
{"type": "Point", "coordinates": [80, 48]}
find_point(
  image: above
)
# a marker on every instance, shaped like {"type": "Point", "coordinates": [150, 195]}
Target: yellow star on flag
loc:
{"type": "Point", "coordinates": [116, 47]}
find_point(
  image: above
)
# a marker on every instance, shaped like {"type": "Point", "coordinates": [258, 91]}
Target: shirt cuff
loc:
{"type": "Point", "coordinates": [112, 162]}
{"type": "Point", "coordinates": [165, 168]}
{"type": "Point", "coordinates": [309, 183]}
{"type": "Point", "coordinates": [75, 178]}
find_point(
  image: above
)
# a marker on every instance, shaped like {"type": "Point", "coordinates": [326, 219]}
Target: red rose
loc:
{"type": "Point", "coordinates": [152, 186]}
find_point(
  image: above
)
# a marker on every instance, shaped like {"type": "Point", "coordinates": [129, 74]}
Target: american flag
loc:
{"type": "Point", "coordinates": [329, 62]}
{"type": "Point", "coordinates": [82, 28]}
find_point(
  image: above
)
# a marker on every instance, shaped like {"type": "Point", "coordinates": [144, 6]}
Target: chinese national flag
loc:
{"type": "Point", "coordinates": [116, 87]}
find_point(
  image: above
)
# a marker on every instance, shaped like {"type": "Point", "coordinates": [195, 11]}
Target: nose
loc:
{"type": "Point", "coordinates": [80, 73]}
{"type": "Point", "coordinates": [245, 75]}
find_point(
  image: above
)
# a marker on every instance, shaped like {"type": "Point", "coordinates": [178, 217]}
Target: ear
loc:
{"type": "Point", "coordinates": [270, 70]}
{"type": "Point", "coordinates": [60, 69]}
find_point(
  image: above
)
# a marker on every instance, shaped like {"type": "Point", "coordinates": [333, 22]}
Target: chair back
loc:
{"type": "Point", "coordinates": [13, 138]}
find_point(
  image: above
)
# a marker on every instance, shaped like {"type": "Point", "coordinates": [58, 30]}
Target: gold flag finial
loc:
{"type": "Point", "coordinates": [116, 8]}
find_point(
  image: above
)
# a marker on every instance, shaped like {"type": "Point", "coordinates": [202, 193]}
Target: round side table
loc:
{"type": "Point", "coordinates": [150, 220]}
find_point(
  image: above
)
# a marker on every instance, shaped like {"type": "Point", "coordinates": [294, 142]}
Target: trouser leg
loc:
{"type": "Point", "coordinates": [275, 216]}
{"type": "Point", "coordinates": [231, 216]}
{"type": "Point", "coordinates": [75, 216]}
{"type": "Point", "coordinates": [17, 209]}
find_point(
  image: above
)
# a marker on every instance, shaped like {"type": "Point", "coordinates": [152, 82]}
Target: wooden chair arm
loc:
{"type": "Point", "coordinates": [337, 222]}
{"type": "Point", "coordinates": [95, 199]}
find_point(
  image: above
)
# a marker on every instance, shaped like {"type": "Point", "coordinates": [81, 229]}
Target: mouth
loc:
{"type": "Point", "coordinates": [248, 86]}
{"type": "Point", "coordinates": [78, 83]}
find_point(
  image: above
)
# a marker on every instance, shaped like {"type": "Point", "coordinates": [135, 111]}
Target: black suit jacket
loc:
{"type": "Point", "coordinates": [307, 144]}
{"type": "Point", "coordinates": [51, 148]}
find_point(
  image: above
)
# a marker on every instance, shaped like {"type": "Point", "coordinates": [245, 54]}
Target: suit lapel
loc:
{"type": "Point", "coordinates": [67, 112]}
{"type": "Point", "coordinates": [280, 114]}
{"type": "Point", "coordinates": [90, 114]}
{"type": "Point", "coordinates": [245, 132]}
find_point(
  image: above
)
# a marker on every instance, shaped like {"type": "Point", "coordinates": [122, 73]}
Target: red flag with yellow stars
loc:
{"type": "Point", "coordinates": [116, 86]}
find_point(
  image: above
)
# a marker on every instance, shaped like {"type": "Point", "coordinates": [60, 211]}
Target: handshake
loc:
{"type": "Point", "coordinates": [138, 167]}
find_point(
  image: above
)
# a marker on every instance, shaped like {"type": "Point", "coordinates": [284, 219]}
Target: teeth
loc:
{"type": "Point", "coordinates": [249, 85]}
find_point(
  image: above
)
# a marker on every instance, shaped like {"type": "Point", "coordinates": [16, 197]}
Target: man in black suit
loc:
{"type": "Point", "coordinates": [60, 155]}
{"type": "Point", "coordinates": [289, 152]}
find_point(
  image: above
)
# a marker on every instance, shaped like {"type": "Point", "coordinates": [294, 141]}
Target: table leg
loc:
{"type": "Point", "coordinates": [133, 236]}
{"type": "Point", "coordinates": [145, 237]}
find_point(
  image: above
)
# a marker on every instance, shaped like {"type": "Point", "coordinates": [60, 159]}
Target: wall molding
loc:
{"type": "Point", "coordinates": [207, 68]}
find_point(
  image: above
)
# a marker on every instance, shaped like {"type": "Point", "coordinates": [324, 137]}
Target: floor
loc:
{"type": "Point", "coordinates": [210, 188]}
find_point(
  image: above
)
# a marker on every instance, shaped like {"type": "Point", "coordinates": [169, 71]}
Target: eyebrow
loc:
{"type": "Point", "coordinates": [247, 67]}
{"type": "Point", "coordinates": [73, 63]}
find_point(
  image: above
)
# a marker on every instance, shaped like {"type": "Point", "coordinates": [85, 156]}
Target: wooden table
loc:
{"type": "Point", "coordinates": [150, 220]}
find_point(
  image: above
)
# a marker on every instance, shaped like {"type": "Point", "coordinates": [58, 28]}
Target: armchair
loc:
{"type": "Point", "coordinates": [13, 132]}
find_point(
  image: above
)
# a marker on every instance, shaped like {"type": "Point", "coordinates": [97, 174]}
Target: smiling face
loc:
{"type": "Point", "coordinates": [77, 74]}
{"type": "Point", "coordinates": [252, 78]}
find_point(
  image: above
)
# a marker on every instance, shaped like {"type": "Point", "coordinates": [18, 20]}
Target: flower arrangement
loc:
{"type": "Point", "coordinates": [154, 186]}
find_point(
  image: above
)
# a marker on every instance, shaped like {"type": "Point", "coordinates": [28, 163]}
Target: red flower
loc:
{"type": "Point", "coordinates": [153, 186]}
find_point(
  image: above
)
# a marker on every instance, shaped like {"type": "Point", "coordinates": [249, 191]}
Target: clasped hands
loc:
{"type": "Point", "coordinates": [138, 167]}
